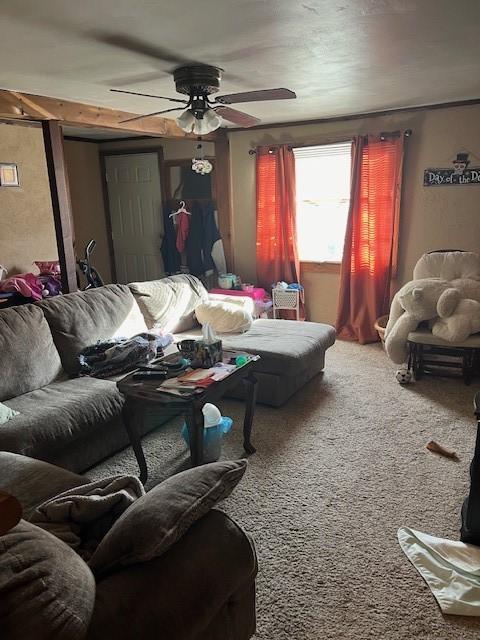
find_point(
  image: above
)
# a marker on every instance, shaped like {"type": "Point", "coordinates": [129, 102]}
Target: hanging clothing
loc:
{"type": "Point", "coordinates": [183, 224]}
{"type": "Point", "coordinates": [171, 256]}
{"type": "Point", "coordinates": [203, 243]}
{"type": "Point", "coordinates": [203, 235]}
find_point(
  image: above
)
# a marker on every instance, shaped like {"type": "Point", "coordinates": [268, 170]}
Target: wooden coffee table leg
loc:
{"type": "Point", "coordinates": [194, 420]}
{"type": "Point", "coordinates": [251, 384]}
{"type": "Point", "coordinates": [130, 414]}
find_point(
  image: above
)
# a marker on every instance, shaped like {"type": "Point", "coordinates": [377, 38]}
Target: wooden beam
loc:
{"type": "Point", "coordinates": [27, 106]}
{"type": "Point", "coordinates": [61, 205]}
{"type": "Point", "coordinates": [224, 198]}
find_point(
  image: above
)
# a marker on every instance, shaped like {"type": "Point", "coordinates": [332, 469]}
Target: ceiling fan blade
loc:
{"type": "Point", "coordinates": [127, 81]}
{"type": "Point", "coordinates": [135, 45]}
{"type": "Point", "coordinates": [148, 115]}
{"type": "Point", "coordinates": [237, 117]}
{"type": "Point", "coordinates": [149, 95]}
{"type": "Point", "coordinates": [257, 96]}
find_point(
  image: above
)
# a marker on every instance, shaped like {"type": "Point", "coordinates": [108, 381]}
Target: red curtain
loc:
{"type": "Point", "coordinates": [277, 257]}
{"type": "Point", "coordinates": [371, 239]}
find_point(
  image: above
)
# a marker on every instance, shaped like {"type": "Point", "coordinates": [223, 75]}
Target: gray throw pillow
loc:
{"type": "Point", "coordinates": [162, 516]}
{"type": "Point", "coordinates": [46, 590]}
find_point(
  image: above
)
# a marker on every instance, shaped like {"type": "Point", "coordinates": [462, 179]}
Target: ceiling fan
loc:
{"type": "Point", "coordinates": [202, 114]}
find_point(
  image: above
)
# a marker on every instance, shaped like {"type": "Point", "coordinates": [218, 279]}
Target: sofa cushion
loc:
{"type": "Point", "coordinates": [168, 304]}
{"type": "Point", "coordinates": [28, 357]}
{"type": "Point", "coordinates": [224, 317]}
{"type": "Point", "coordinates": [46, 590]}
{"type": "Point", "coordinates": [61, 411]}
{"type": "Point", "coordinates": [159, 518]}
{"type": "Point", "coordinates": [78, 320]}
{"type": "Point", "coordinates": [34, 481]}
{"type": "Point", "coordinates": [286, 347]}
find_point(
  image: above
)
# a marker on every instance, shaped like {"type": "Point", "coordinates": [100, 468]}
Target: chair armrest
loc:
{"type": "Point", "coordinates": [242, 301]}
{"type": "Point", "coordinates": [180, 594]}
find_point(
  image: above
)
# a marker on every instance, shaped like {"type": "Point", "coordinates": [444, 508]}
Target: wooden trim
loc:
{"type": "Point", "coordinates": [107, 140]}
{"type": "Point", "coordinates": [108, 218]}
{"type": "Point", "coordinates": [321, 267]}
{"type": "Point", "coordinates": [80, 139]}
{"type": "Point", "coordinates": [106, 204]}
{"type": "Point", "coordinates": [359, 116]}
{"type": "Point", "coordinates": [15, 105]}
{"type": "Point", "coordinates": [224, 199]}
{"type": "Point", "coordinates": [124, 139]}
{"type": "Point", "coordinates": [61, 205]}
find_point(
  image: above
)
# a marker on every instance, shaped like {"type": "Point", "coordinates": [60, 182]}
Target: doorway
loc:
{"type": "Point", "coordinates": [134, 194]}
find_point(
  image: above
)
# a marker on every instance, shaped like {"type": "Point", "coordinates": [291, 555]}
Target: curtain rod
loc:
{"type": "Point", "coordinates": [383, 136]}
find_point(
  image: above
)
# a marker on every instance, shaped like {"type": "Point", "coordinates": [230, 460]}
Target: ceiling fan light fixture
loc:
{"type": "Point", "coordinates": [212, 119]}
{"type": "Point", "coordinates": [208, 123]}
{"type": "Point", "coordinates": [186, 121]}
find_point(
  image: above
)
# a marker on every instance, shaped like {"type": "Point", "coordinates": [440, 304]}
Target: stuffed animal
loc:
{"type": "Point", "coordinates": [417, 302]}
{"type": "Point", "coordinates": [458, 319]}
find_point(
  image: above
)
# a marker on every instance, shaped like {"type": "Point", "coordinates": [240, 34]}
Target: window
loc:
{"type": "Point", "coordinates": [323, 198]}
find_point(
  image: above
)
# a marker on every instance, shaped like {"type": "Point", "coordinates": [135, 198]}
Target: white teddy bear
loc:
{"type": "Point", "coordinates": [416, 302]}
{"type": "Point", "coordinates": [458, 319]}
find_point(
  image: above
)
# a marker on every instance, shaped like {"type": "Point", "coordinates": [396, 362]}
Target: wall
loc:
{"type": "Point", "coordinates": [84, 172]}
{"type": "Point", "coordinates": [83, 167]}
{"type": "Point", "coordinates": [27, 231]}
{"type": "Point", "coordinates": [431, 218]}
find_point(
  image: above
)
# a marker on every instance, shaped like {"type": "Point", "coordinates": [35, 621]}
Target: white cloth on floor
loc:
{"type": "Point", "coordinates": [451, 569]}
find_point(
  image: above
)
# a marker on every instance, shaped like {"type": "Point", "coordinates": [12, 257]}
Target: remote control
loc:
{"type": "Point", "coordinates": [149, 375]}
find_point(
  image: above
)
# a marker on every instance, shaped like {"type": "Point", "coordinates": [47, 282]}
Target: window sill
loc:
{"type": "Point", "coordinates": [321, 267]}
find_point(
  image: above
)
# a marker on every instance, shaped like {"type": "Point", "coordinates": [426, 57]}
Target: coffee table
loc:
{"type": "Point", "coordinates": [139, 392]}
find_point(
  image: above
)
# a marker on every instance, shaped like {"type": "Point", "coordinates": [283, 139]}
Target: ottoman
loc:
{"type": "Point", "coordinates": [292, 353]}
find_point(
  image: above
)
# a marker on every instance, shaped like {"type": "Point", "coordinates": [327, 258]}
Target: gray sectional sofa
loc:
{"type": "Point", "coordinates": [75, 422]}
{"type": "Point", "coordinates": [200, 588]}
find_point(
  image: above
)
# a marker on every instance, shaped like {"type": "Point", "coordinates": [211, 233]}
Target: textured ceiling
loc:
{"type": "Point", "coordinates": [341, 57]}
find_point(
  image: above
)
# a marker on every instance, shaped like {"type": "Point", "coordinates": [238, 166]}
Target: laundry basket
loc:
{"type": "Point", "coordinates": [286, 299]}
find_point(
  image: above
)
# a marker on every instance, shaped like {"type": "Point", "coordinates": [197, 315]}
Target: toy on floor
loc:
{"type": "Point", "coordinates": [403, 375]}
{"type": "Point", "coordinates": [441, 450]}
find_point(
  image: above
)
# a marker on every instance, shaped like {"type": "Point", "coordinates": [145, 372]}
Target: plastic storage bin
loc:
{"type": "Point", "coordinates": [286, 299]}
{"type": "Point", "coordinates": [215, 426]}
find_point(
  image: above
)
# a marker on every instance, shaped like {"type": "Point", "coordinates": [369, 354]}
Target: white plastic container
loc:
{"type": "Point", "coordinates": [212, 441]}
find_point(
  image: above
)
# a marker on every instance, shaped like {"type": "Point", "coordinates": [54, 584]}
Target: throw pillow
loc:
{"type": "Point", "coordinates": [162, 516]}
{"type": "Point", "coordinates": [168, 304]}
{"type": "Point", "coordinates": [46, 590]}
{"type": "Point", "coordinates": [224, 317]}
{"type": "Point", "coordinates": [6, 413]}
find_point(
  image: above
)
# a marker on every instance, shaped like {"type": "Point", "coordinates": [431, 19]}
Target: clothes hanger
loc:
{"type": "Point", "coordinates": [182, 209]}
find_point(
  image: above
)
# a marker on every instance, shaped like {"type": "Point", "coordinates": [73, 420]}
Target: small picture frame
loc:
{"type": "Point", "coordinates": [8, 175]}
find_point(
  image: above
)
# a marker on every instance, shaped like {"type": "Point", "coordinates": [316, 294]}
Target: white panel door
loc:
{"type": "Point", "coordinates": [135, 202]}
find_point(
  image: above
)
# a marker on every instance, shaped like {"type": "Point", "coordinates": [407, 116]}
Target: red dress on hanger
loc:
{"type": "Point", "coordinates": [183, 224]}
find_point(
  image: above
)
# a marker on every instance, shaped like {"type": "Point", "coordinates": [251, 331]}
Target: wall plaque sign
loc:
{"type": "Point", "coordinates": [8, 175]}
{"type": "Point", "coordinates": [460, 174]}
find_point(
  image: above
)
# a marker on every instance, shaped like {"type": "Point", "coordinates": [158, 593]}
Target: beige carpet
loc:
{"type": "Point", "coordinates": [336, 472]}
